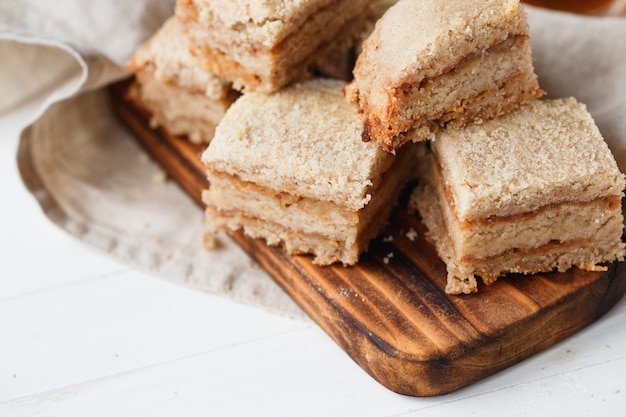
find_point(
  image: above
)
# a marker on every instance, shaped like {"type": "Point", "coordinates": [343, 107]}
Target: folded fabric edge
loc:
{"type": "Point", "coordinates": [89, 70]}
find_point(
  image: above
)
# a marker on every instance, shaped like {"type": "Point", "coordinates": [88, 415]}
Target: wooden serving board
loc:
{"type": "Point", "coordinates": [390, 313]}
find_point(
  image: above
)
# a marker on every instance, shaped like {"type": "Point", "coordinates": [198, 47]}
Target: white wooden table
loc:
{"type": "Point", "coordinates": [84, 335]}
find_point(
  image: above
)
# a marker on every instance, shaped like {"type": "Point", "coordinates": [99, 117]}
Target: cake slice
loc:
{"type": "Point", "coordinates": [431, 63]}
{"type": "Point", "coordinates": [263, 46]}
{"type": "Point", "coordinates": [180, 94]}
{"type": "Point", "coordinates": [290, 168]}
{"type": "Point", "coordinates": [532, 191]}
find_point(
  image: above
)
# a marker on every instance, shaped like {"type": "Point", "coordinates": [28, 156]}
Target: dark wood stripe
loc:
{"type": "Point", "coordinates": [431, 304]}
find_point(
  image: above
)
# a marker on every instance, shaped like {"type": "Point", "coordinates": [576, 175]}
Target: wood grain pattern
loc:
{"type": "Point", "coordinates": [390, 313]}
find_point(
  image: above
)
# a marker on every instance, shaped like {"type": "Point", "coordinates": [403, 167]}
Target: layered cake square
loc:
{"type": "Point", "coordinates": [290, 168]}
{"type": "Point", "coordinates": [263, 46]}
{"type": "Point", "coordinates": [430, 64]}
{"type": "Point", "coordinates": [535, 190]}
{"type": "Point", "coordinates": [180, 94]}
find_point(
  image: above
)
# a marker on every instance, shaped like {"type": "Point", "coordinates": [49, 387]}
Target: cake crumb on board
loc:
{"type": "Point", "coordinates": [209, 241]}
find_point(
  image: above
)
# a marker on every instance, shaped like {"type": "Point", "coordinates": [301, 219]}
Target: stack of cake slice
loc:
{"type": "Point", "coordinates": [265, 45]}
{"type": "Point", "coordinates": [432, 63]}
{"type": "Point", "coordinates": [509, 183]}
{"type": "Point", "coordinates": [291, 168]}
{"type": "Point", "coordinates": [180, 94]}
{"type": "Point", "coordinates": [531, 191]}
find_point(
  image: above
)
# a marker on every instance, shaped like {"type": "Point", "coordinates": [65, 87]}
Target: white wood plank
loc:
{"type": "Point", "coordinates": [40, 256]}
{"type": "Point", "coordinates": [289, 374]}
{"type": "Point", "coordinates": [301, 373]}
{"type": "Point", "coordinates": [580, 392]}
{"type": "Point", "coordinates": [101, 327]}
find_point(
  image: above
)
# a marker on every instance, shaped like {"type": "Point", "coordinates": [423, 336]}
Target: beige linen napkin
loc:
{"type": "Point", "coordinates": [90, 177]}
{"type": "Point", "coordinates": [52, 50]}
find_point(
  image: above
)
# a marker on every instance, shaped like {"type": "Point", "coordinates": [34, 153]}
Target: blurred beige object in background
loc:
{"type": "Point", "coordinates": [592, 7]}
